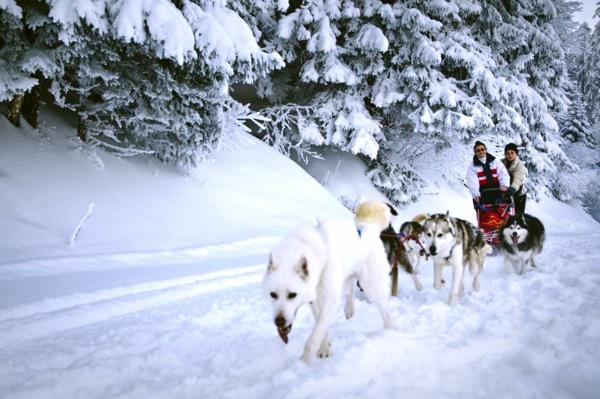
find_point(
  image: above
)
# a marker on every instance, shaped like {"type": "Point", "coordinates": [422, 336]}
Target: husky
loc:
{"type": "Point", "coordinates": [521, 239]}
{"type": "Point", "coordinates": [404, 249]}
{"type": "Point", "coordinates": [318, 265]}
{"type": "Point", "coordinates": [454, 242]}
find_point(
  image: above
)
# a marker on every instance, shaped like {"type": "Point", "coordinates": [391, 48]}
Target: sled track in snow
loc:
{"type": "Point", "coordinates": [50, 316]}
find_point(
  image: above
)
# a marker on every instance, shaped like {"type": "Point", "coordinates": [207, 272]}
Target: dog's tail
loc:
{"type": "Point", "coordinates": [373, 212]}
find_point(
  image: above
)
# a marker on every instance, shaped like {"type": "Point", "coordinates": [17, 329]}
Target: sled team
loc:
{"type": "Point", "coordinates": [321, 265]}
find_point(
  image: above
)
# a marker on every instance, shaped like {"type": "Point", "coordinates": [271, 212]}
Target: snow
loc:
{"type": "Point", "coordinates": [12, 7]}
{"type": "Point", "coordinates": [159, 295]}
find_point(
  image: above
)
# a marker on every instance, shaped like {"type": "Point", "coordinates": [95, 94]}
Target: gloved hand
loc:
{"type": "Point", "coordinates": [511, 191]}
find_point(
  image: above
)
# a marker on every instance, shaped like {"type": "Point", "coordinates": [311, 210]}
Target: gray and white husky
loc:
{"type": "Point", "coordinates": [457, 243]}
{"type": "Point", "coordinates": [522, 238]}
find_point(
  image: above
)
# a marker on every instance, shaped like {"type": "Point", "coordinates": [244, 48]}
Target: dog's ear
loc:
{"type": "Point", "coordinates": [392, 209]}
{"type": "Point", "coordinates": [447, 215]}
{"type": "Point", "coordinates": [271, 267]}
{"type": "Point", "coordinates": [302, 268]}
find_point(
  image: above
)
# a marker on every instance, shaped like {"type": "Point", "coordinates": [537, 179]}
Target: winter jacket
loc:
{"type": "Point", "coordinates": [517, 173]}
{"type": "Point", "coordinates": [492, 174]}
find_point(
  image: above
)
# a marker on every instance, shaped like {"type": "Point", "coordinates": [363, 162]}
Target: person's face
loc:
{"type": "Point", "coordinates": [480, 151]}
{"type": "Point", "coordinates": [510, 155]}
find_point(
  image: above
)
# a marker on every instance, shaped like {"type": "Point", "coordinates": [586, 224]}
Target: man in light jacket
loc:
{"type": "Point", "coordinates": [487, 177]}
{"type": "Point", "coordinates": [518, 173]}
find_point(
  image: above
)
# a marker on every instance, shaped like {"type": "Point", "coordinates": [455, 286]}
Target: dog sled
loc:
{"type": "Point", "coordinates": [492, 214]}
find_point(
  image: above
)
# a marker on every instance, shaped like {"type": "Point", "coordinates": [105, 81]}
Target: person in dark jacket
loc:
{"type": "Point", "coordinates": [518, 174]}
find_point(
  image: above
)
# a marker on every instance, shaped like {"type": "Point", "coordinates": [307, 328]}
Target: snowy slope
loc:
{"type": "Point", "coordinates": [160, 294]}
{"type": "Point", "coordinates": [48, 181]}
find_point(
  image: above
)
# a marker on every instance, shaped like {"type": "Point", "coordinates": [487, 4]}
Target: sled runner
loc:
{"type": "Point", "coordinates": [492, 216]}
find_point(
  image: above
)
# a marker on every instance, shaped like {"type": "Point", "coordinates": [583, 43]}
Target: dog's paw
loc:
{"type": "Point", "coordinates": [440, 285]}
{"type": "Point", "coordinates": [349, 310]}
{"type": "Point", "coordinates": [453, 300]}
{"type": "Point", "coordinates": [306, 357]}
{"type": "Point", "coordinates": [419, 286]}
{"type": "Point", "coordinates": [390, 326]}
{"type": "Point", "coordinates": [325, 351]}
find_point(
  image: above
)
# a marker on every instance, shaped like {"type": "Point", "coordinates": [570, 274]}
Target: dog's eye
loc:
{"type": "Point", "coordinates": [292, 295]}
{"type": "Point", "coordinates": [440, 235]}
{"type": "Point", "coordinates": [428, 234]}
{"type": "Point", "coordinates": [274, 295]}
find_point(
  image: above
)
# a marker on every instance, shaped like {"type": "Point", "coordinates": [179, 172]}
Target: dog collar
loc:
{"type": "Point", "coordinates": [447, 258]}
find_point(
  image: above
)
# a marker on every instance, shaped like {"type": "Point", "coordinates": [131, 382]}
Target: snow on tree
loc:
{"type": "Point", "coordinates": [591, 79]}
{"type": "Point", "coordinates": [27, 43]}
{"type": "Point", "coordinates": [433, 71]}
{"type": "Point", "coordinates": [149, 75]}
{"type": "Point", "coordinates": [577, 55]}
{"type": "Point", "coordinates": [321, 78]}
{"type": "Point", "coordinates": [576, 127]}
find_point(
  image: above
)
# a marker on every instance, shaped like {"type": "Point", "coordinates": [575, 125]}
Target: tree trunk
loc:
{"type": "Point", "coordinates": [81, 130]}
{"type": "Point", "coordinates": [14, 110]}
{"type": "Point", "coordinates": [31, 106]}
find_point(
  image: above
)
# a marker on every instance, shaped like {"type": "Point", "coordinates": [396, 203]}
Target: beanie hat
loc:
{"type": "Point", "coordinates": [511, 146]}
{"type": "Point", "coordinates": [477, 143]}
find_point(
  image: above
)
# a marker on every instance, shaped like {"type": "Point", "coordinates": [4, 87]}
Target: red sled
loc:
{"type": "Point", "coordinates": [492, 217]}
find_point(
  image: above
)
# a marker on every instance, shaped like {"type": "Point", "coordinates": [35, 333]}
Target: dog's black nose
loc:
{"type": "Point", "coordinates": [280, 321]}
{"type": "Point", "coordinates": [432, 250]}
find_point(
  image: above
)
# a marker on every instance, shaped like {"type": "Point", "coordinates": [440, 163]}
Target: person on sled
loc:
{"type": "Point", "coordinates": [517, 172]}
{"type": "Point", "coordinates": [487, 177]}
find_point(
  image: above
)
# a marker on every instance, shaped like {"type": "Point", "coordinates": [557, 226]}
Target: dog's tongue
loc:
{"type": "Point", "coordinates": [283, 333]}
{"type": "Point", "coordinates": [515, 240]}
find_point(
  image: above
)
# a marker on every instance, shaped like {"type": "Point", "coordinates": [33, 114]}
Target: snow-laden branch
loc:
{"type": "Point", "coordinates": [81, 223]}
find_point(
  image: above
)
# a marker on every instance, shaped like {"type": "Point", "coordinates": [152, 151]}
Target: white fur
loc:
{"type": "Point", "coordinates": [335, 257]}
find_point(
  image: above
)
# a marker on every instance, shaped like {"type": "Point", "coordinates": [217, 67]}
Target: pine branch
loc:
{"type": "Point", "coordinates": [81, 223]}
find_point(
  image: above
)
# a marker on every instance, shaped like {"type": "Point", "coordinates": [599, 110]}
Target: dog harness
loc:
{"type": "Point", "coordinates": [401, 238]}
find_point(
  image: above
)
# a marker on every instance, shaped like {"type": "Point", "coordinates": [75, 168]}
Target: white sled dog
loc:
{"type": "Point", "coordinates": [457, 243]}
{"type": "Point", "coordinates": [521, 239]}
{"type": "Point", "coordinates": [317, 265]}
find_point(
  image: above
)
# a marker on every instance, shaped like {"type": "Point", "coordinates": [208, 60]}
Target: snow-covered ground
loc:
{"type": "Point", "coordinates": [159, 294]}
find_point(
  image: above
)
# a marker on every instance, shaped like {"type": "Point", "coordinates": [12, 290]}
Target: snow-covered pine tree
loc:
{"type": "Point", "coordinates": [27, 42]}
{"type": "Point", "coordinates": [319, 98]}
{"type": "Point", "coordinates": [575, 38]}
{"type": "Point", "coordinates": [149, 76]}
{"type": "Point", "coordinates": [130, 75]}
{"type": "Point", "coordinates": [575, 127]}
{"type": "Point", "coordinates": [531, 61]}
{"type": "Point", "coordinates": [433, 91]}
{"type": "Point", "coordinates": [420, 75]}
{"type": "Point", "coordinates": [577, 55]}
{"type": "Point", "coordinates": [591, 79]}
